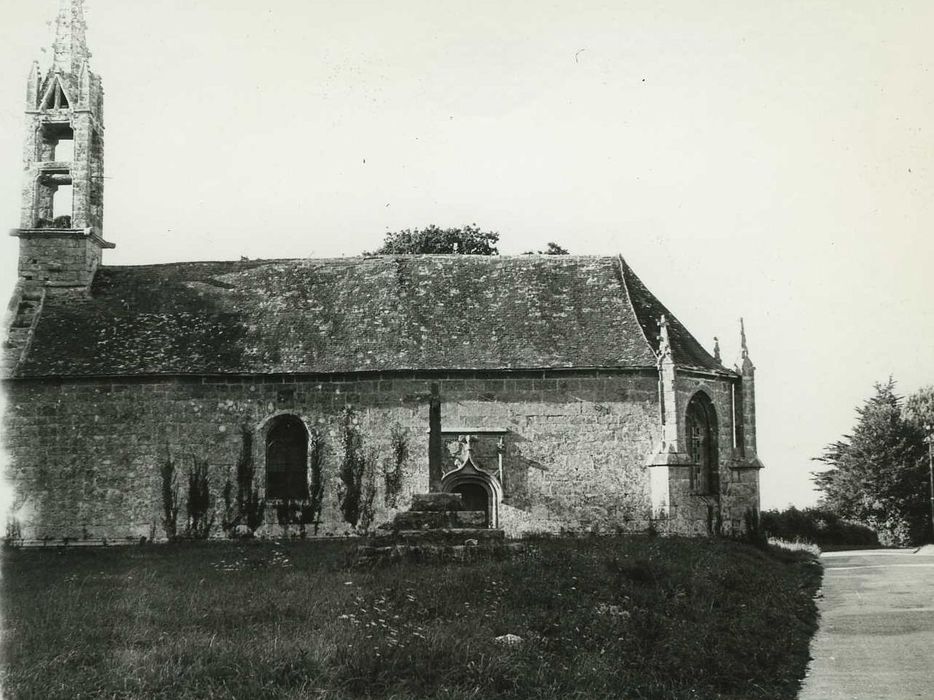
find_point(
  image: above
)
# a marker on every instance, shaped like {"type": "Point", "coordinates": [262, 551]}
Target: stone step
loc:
{"type": "Point", "coordinates": [19, 333]}
{"type": "Point", "coordinates": [459, 535]}
{"type": "Point", "coordinates": [17, 336]}
{"type": "Point", "coordinates": [23, 321]}
{"type": "Point", "coordinates": [437, 501]}
{"type": "Point", "coordinates": [435, 519]}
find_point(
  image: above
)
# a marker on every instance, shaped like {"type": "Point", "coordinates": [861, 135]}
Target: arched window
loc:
{"type": "Point", "coordinates": [287, 459]}
{"type": "Point", "coordinates": [701, 425]}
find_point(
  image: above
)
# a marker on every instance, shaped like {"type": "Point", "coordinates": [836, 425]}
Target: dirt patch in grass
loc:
{"type": "Point", "coordinates": [632, 617]}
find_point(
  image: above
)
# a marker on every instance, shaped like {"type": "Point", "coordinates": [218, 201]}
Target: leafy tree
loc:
{"type": "Point", "coordinates": [552, 249]}
{"type": "Point", "coordinates": [919, 408]}
{"type": "Point", "coordinates": [878, 475]}
{"type": "Point", "coordinates": [468, 240]}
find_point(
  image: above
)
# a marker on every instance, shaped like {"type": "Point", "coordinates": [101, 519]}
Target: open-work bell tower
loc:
{"type": "Point", "coordinates": [61, 227]}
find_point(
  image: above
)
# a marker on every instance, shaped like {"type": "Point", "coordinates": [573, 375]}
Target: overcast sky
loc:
{"type": "Point", "coordinates": [771, 160]}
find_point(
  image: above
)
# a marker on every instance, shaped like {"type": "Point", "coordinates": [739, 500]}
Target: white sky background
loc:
{"type": "Point", "coordinates": [771, 160]}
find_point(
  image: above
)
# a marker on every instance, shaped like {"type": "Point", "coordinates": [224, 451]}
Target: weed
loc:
{"type": "Point", "coordinates": [14, 533]}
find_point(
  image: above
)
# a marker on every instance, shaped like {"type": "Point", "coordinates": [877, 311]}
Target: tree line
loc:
{"type": "Point", "coordinates": [878, 475]}
{"type": "Point", "coordinates": [464, 240]}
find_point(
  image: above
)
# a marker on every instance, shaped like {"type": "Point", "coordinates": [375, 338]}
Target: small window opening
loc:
{"type": "Point", "coordinates": [64, 151]}
{"type": "Point", "coordinates": [62, 205]}
{"type": "Point", "coordinates": [57, 143]}
{"type": "Point", "coordinates": [287, 459]}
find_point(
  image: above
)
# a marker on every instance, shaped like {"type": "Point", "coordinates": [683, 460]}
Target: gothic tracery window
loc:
{"type": "Point", "coordinates": [701, 425]}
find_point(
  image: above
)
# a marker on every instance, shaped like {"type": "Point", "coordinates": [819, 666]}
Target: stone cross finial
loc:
{"type": "Point", "coordinates": [70, 47]}
{"type": "Point", "coordinates": [716, 349]}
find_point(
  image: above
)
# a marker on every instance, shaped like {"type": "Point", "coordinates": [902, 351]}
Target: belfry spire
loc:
{"type": "Point", "coordinates": [746, 366]}
{"type": "Point", "coordinates": [62, 213]}
{"type": "Point", "coordinates": [70, 47]}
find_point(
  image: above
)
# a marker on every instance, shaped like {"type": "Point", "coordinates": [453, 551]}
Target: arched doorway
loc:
{"type": "Point", "coordinates": [287, 459]}
{"type": "Point", "coordinates": [701, 426]}
{"type": "Point", "coordinates": [479, 490]}
{"type": "Point", "coordinates": [474, 497]}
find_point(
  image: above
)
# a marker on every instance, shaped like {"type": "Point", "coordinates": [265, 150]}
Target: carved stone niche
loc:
{"type": "Point", "coordinates": [476, 467]}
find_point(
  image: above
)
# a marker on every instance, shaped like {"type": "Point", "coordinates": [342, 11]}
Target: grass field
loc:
{"type": "Point", "coordinates": [627, 617]}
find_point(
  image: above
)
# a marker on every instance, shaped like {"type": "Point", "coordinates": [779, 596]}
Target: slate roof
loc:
{"type": "Point", "coordinates": [356, 314]}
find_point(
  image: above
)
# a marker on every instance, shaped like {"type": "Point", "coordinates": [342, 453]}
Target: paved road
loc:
{"type": "Point", "coordinates": [876, 636]}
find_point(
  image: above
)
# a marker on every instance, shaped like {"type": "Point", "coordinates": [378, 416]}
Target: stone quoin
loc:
{"type": "Point", "coordinates": [553, 393]}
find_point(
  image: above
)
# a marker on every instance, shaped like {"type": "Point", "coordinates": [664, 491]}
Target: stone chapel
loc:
{"type": "Point", "coordinates": [554, 393]}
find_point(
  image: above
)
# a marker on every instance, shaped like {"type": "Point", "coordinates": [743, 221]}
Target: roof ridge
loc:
{"type": "Point", "coordinates": [623, 267]}
{"type": "Point", "coordinates": [363, 258]}
{"type": "Point", "coordinates": [687, 351]}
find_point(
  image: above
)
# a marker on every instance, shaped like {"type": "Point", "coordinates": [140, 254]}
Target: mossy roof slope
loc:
{"type": "Point", "coordinates": [356, 315]}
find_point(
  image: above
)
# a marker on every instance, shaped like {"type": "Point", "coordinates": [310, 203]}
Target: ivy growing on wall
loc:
{"type": "Point", "coordinates": [251, 506]}
{"type": "Point", "coordinates": [200, 512]}
{"type": "Point", "coordinates": [393, 465]}
{"type": "Point", "coordinates": [229, 519]}
{"type": "Point", "coordinates": [169, 499]}
{"type": "Point", "coordinates": [357, 490]}
{"type": "Point", "coordinates": [368, 492]}
{"type": "Point", "coordinates": [244, 516]}
{"type": "Point", "coordinates": [316, 449]}
{"type": "Point", "coordinates": [352, 467]}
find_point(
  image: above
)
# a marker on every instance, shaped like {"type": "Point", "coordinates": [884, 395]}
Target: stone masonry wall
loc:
{"type": "Point", "coordinates": [75, 259]}
{"type": "Point", "coordinates": [85, 455]}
